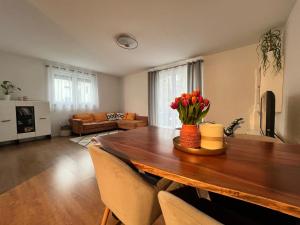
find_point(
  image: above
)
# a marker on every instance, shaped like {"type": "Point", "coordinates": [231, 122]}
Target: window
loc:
{"type": "Point", "coordinates": [164, 85]}
{"type": "Point", "coordinates": [62, 89]}
{"type": "Point", "coordinates": [170, 83]}
{"type": "Point", "coordinates": [85, 92]}
{"type": "Point", "coordinates": [72, 90]}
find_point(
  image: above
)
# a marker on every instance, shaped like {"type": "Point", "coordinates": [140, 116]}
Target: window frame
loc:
{"type": "Point", "coordinates": [74, 104]}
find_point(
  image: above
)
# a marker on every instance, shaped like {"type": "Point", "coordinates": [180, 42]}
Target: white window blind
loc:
{"type": "Point", "coordinates": [170, 84]}
{"type": "Point", "coordinates": [71, 90]}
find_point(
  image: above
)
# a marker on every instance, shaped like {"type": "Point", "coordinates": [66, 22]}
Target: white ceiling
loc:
{"type": "Point", "coordinates": [80, 32]}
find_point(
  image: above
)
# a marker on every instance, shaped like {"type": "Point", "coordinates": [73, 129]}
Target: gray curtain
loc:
{"type": "Point", "coordinates": [194, 73]}
{"type": "Point", "coordinates": [152, 97]}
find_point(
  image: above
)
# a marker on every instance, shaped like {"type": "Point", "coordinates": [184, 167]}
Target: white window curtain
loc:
{"type": "Point", "coordinates": [170, 84]}
{"type": "Point", "coordinates": [72, 90]}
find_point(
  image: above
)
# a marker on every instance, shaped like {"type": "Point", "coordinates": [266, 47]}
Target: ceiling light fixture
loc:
{"type": "Point", "coordinates": [126, 41]}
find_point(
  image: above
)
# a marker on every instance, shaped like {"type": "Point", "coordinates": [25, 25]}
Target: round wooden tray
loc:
{"type": "Point", "coordinates": [197, 151]}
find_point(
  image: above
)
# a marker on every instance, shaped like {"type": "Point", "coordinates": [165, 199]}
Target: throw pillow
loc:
{"type": "Point", "coordinates": [111, 116]}
{"type": "Point", "coordinates": [130, 116]}
{"type": "Point", "coordinates": [120, 116]}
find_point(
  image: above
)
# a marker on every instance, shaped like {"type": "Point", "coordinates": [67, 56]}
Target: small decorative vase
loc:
{"type": "Point", "coordinates": [189, 136]}
{"type": "Point", "coordinates": [6, 97]}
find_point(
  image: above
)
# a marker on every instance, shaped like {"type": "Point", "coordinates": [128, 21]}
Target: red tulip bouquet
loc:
{"type": "Point", "coordinates": [192, 108]}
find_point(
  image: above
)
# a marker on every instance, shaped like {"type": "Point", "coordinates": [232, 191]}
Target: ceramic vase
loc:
{"type": "Point", "coordinates": [6, 97]}
{"type": "Point", "coordinates": [189, 136]}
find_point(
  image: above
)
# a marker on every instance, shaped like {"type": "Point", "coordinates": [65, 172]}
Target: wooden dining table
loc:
{"type": "Point", "coordinates": [263, 173]}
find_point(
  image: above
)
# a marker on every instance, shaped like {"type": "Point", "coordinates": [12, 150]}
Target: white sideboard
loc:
{"type": "Point", "coordinates": [9, 122]}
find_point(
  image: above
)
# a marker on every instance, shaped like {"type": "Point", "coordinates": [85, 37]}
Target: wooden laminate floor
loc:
{"type": "Point", "coordinates": [49, 182]}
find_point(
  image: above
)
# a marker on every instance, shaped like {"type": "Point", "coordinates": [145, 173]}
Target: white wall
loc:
{"type": "Point", "coordinates": [229, 84]}
{"type": "Point", "coordinates": [135, 93]}
{"type": "Point", "coordinates": [30, 75]}
{"type": "Point", "coordinates": [110, 93]}
{"type": "Point", "coordinates": [288, 124]}
{"type": "Point", "coordinates": [27, 73]}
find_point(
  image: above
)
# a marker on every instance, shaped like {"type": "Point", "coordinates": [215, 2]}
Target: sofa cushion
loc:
{"type": "Point", "coordinates": [111, 116]}
{"type": "Point", "coordinates": [129, 116]}
{"type": "Point", "coordinates": [99, 117]}
{"type": "Point", "coordinates": [85, 117]}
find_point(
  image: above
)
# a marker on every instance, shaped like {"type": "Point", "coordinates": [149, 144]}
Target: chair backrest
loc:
{"type": "Point", "coordinates": [178, 212]}
{"type": "Point", "coordinates": [123, 191]}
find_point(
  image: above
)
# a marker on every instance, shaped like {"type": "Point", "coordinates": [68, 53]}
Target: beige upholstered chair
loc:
{"type": "Point", "coordinates": [178, 212]}
{"type": "Point", "coordinates": [132, 199]}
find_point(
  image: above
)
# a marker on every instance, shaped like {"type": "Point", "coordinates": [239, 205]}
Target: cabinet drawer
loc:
{"type": "Point", "coordinates": [8, 130]}
{"type": "Point", "coordinates": [8, 126]}
{"type": "Point", "coordinates": [42, 126]}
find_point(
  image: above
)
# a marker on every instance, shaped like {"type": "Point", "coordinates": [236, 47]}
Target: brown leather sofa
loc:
{"type": "Point", "coordinates": [85, 123]}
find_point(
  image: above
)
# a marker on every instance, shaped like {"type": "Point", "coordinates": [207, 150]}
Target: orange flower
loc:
{"type": "Point", "coordinates": [194, 99]}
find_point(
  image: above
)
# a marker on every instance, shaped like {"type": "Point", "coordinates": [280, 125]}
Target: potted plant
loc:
{"type": "Point", "coordinates": [192, 108]}
{"type": "Point", "coordinates": [65, 131]}
{"type": "Point", "coordinates": [8, 88]}
{"type": "Point", "coordinates": [270, 49]}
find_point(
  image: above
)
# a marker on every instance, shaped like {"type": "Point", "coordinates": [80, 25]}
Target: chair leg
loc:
{"type": "Point", "coordinates": [105, 216]}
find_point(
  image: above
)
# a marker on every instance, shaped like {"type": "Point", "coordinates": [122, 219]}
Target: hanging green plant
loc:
{"type": "Point", "coordinates": [271, 42]}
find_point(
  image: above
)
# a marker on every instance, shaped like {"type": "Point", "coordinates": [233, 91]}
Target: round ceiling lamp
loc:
{"type": "Point", "coordinates": [126, 41]}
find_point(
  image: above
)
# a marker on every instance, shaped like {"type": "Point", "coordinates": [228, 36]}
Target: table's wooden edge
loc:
{"type": "Point", "coordinates": [258, 200]}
